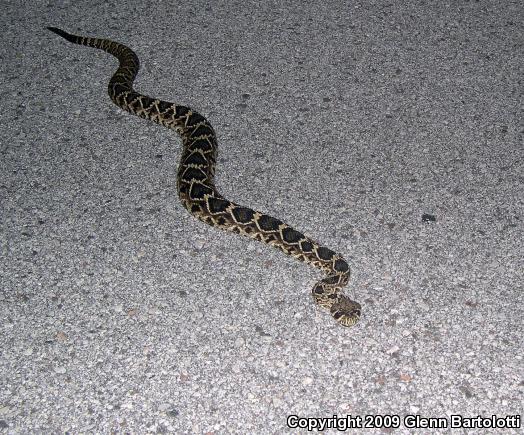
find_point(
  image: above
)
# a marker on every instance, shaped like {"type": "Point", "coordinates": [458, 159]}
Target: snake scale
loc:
{"type": "Point", "coordinates": [197, 191]}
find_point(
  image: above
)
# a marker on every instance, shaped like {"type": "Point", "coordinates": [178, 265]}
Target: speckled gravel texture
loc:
{"type": "Point", "coordinates": [391, 132]}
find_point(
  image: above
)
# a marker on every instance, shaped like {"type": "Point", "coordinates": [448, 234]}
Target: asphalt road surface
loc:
{"type": "Point", "coordinates": [389, 131]}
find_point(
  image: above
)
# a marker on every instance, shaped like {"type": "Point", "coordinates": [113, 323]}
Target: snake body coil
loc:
{"type": "Point", "coordinates": [197, 190]}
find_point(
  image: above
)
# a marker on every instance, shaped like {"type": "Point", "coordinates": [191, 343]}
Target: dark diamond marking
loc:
{"type": "Point", "coordinates": [193, 174]}
{"type": "Point", "coordinates": [181, 111]}
{"type": "Point", "coordinates": [194, 118]}
{"type": "Point", "coordinates": [325, 253]}
{"type": "Point", "coordinates": [243, 215]}
{"type": "Point", "coordinates": [164, 106]}
{"type": "Point", "coordinates": [217, 205]}
{"type": "Point", "coordinates": [291, 236]}
{"type": "Point", "coordinates": [341, 265]}
{"type": "Point", "coordinates": [196, 159]}
{"type": "Point", "coordinates": [202, 130]}
{"type": "Point", "coordinates": [199, 191]}
{"type": "Point", "coordinates": [268, 223]}
{"type": "Point", "coordinates": [200, 144]}
{"type": "Point", "coordinates": [306, 246]}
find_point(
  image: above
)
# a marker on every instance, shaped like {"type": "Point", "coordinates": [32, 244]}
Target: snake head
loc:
{"type": "Point", "coordinates": [345, 311]}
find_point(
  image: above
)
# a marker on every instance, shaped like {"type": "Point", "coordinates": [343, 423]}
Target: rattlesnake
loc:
{"type": "Point", "coordinates": [197, 190]}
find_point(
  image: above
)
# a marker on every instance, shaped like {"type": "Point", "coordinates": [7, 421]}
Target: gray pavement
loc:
{"type": "Point", "coordinates": [389, 131]}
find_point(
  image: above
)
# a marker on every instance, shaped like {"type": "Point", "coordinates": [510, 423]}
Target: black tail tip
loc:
{"type": "Point", "coordinates": [63, 34]}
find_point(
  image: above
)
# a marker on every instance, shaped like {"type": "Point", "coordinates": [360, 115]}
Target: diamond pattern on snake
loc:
{"type": "Point", "coordinates": [196, 187]}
